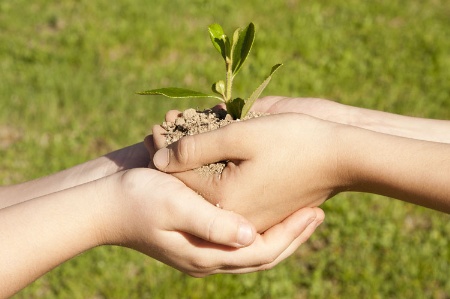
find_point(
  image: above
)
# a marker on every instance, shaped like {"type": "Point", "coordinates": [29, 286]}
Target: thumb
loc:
{"type": "Point", "coordinates": [216, 225]}
{"type": "Point", "coordinates": [197, 150]}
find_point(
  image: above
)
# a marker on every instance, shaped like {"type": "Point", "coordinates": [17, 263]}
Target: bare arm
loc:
{"type": "Point", "coordinates": [378, 121]}
{"type": "Point", "coordinates": [83, 207]}
{"type": "Point", "coordinates": [384, 146]}
{"type": "Point", "coordinates": [412, 170]}
{"type": "Point", "coordinates": [280, 163]}
{"type": "Point", "coordinates": [38, 235]}
{"type": "Point", "coordinates": [126, 158]}
{"type": "Point", "coordinates": [136, 209]}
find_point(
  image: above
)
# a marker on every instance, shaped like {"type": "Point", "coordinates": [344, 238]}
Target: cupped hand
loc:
{"type": "Point", "coordinates": [156, 214]}
{"type": "Point", "coordinates": [277, 164]}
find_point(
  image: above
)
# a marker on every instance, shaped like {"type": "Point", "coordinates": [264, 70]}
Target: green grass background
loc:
{"type": "Point", "coordinates": [68, 73]}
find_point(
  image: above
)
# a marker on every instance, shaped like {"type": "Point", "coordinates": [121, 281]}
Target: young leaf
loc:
{"type": "Point", "coordinates": [234, 107]}
{"type": "Point", "coordinates": [255, 95]}
{"type": "Point", "coordinates": [219, 40]}
{"type": "Point", "coordinates": [242, 44]}
{"type": "Point", "coordinates": [175, 92]}
{"type": "Point", "coordinates": [219, 87]}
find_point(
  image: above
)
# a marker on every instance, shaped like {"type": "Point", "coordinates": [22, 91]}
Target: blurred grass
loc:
{"type": "Point", "coordinates": [68, 72]}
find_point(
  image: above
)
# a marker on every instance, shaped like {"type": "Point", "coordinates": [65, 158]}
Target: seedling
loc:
{"type": "Point", "coordinates": [234, 53]}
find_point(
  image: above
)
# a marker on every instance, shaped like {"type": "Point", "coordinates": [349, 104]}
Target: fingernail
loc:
{"type": "Point", "coordinates": [245, 234]}
{"type": "Point", "coordinates": [161, 158]}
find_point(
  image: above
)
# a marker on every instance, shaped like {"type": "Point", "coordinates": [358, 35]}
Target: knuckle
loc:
{"type": "Point", "coordinates": [222, 227]}
{"type": "Point", "coordinates": [201, 267]}
{"type": "Point", "coordinates": [212, 230]}
{"type": "Point", "coordinates": [185, 150]}
{"type": "Point", "coordinates": [268, 259]}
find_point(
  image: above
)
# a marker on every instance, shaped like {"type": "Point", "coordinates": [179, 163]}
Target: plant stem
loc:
{"type": "Point", "coordinates": [229, 81]}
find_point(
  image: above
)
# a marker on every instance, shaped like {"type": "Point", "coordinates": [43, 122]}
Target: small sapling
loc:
{"type": "Point", "coordinates": [234, 52]}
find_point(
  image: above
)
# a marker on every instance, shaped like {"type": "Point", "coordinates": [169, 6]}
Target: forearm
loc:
{"type": "Point", "coordinates": [377, 121]}
{"type": "Point", "coordinates": [399, 125]}
{"type": "Point", "coordinates": [39, 234]}
{"type": "Point", "coordinates": [126, 158]}
{"type": "Point", "coordinates": [407, 169]}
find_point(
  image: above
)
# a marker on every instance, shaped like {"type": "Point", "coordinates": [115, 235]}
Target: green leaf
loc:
{"type": "Point", "coordinates": [219, 87]}
{"type": "Point", "coordinates": [255, 95]}
{"type": "Point", "coordinates": [242, 44]}
{"type": "Point", "coordinates": [175, 92]}
{"type": "Point", "coordinates": [219, 40]}
{"type": "Point", "coordinates": [234, 107]}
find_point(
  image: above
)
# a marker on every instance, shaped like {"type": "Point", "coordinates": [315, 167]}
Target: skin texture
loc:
{"type": "Point", "coordinates": [373, 120]}
{"type": "Point", "coordinates": [282, 162]}
{"type": "Point", "coordinates": [123, 159]}
{"type": "Point", "coordinates": [257, 176]}
{"type": "Point", "coordinates": [117, 200]}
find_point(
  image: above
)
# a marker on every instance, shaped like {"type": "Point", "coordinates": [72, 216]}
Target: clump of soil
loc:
{"type": "Point", "coordinates": [191, 122]}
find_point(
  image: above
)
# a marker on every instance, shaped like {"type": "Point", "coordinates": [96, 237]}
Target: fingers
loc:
{"type": "Point", "coordinates": [213, 224]}
{"type": "Point", "coordinates": [159, 137]}
{"type": "Point", "coordinates": [302, 238]}
{"type": "Point", "coordinates": [268, 250]}
{"type": "Point", "coordinates": [194, 151]}
{"type": "Point", "coordinates": [201, 258]}
{"type": "Point", "coordinates": [171, 115]}
{"type": "Point", "coordinates": [266, 103]}
{"type": "Point", "coordinates": [298, 228]}
{"type": "Point", "coordinates": [149, 145]}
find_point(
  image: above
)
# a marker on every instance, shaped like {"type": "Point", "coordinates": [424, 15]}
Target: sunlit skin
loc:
{"type": "Point", "coordinates": [286, 161]}
{"type": "Point", "coordinates": [117, 200]}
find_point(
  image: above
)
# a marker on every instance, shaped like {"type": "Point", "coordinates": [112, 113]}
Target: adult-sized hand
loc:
{"type": "Point", "coordinates": [260, 183]}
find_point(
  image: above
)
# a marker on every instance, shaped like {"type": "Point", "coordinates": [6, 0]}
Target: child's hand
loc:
{"type": "Point", "coordinates": [277, 165]}
{"type": "Point", "coordinates": [158, 215]}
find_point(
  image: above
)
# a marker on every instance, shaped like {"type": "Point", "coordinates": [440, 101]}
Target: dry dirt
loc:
{"type": "Point", "coordinates": [191, 122]}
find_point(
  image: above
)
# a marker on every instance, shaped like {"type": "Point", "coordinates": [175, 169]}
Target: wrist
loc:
{"type": "Point", "coordinates": [330, 145]}
{"type": "Point", "coordinates": [374, 161]}
{"type": "Point", "coordinates": [123, 202]}
{"type": "Point", "coordinates": [110, 209]}
{"type": "Point", "coordinates": [342, 143]}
